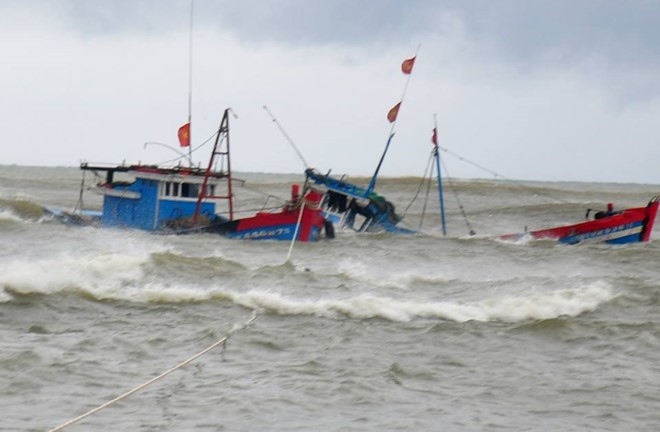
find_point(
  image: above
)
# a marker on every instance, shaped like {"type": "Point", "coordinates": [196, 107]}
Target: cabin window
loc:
{"type": "Point", "coordinates": [189, 190]}
{"type": "Point", "coordinates": [212, 190]}
{"type": "Point", "coordinates": [184, 190]}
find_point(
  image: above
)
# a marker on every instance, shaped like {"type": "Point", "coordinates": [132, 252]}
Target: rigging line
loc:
{"type": "Point", "coordinates": [192, 151]}
{"type": "Point", "coordinates": [222, 342]}
{"type": "Point", "coordinates": [460, 205]}
{"type": "Point", "coordinates": [251, 211]}
{"type": "Point", "coordinates": [79, 204]}
{"type": "Point", "coordinates": [495, 174]}
{"type": "Point", "coordinates": [421, 183]}
{"type": "Point", "coordinates": [295, 148]}
{"type": "Point", "coordinates": [190, 162]}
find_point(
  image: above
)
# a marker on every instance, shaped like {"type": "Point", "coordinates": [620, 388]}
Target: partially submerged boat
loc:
{"type": "Point", "coordinates": [358, 208]}
{"type": "Point", "coordinates": [183, 200]}
{"type": "Point", "coordinates": [350, 206]}
{"type": "Point", "coordinates": [610, 226]}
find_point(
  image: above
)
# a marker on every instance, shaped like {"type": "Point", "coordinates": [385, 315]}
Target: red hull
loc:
{"type": "Point", "coordinates": [625, 226]}
{"type": "Point", "coordinates": [286, 223]}
{"type": "Point", "coordinates": [281, 225]}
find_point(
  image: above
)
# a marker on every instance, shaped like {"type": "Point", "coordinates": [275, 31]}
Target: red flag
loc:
{"type": "Point", "coordinates": [391, 115]}
{"type": "Point", "coordinates": [434, 137]}
{"type": "Point", "coordinates": [407, 65]}
{"type": "Point", "coordinates": [184, 135]}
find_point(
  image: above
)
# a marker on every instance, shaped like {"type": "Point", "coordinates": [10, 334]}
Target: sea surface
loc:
{"type": "Point", "coordinates": [372, 332]}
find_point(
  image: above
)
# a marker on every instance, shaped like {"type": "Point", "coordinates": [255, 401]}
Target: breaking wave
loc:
{"type": "Point", "coordinates": [20, 210]}
{"type": "Point", "coordinates": [535, 306]}
{"type": "Point", "coordinates": [119, 277]}
{"type": "Point", "coordinates": [8, 216]}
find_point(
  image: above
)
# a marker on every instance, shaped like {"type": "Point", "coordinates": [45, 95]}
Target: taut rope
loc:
{"type": "Point", "coordinates": [222, 342]}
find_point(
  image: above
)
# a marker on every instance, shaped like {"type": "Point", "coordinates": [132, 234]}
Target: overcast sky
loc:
{"type": "Point", "coordinates": [541, 90]}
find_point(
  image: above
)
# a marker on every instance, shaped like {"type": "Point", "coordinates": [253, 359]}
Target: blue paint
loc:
{"type": "Point", "coordinates": [280, 232]}
{"type": "Point", "coordinates": [379, 213]}
{"type": "Point", "coordinates": [141, 206]}
{"type": "Point", "coordinates": [596, 235]}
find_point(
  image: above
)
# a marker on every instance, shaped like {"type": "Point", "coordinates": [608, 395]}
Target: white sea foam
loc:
{"type": "Point", "coordinates": [10, 216]}
{"type": "Point", "coordinates": [382, 277]}
{"type": "Point", "coordinates": [4, 297]}
{"type": "Point", "coordinates": [532, 306]}
{"type": "Point", "coordinates": [96, 274]}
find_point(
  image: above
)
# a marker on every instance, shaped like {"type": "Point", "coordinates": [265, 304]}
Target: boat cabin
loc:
{"type": "Point", "coordinates": [353, 207]}
{"type": "Point", "coordinates": [156, 198]}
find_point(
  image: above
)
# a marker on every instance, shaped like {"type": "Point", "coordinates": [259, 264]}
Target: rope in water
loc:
{"type": "Point", "coordinates": [222, 342]}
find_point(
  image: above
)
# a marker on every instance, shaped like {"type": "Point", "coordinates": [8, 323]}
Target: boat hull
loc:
{"type": "Point", "coordinates": [301, 219]}
{"type": "Point", "coordinates": [626, 226]}
{"type": "Point", "coordinates": [275, 226]}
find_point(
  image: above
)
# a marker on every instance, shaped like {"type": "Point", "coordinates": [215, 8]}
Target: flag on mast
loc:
{"type": "Point", "coordinates": [393, 113]}
{"type": "Point", "coordinates": [434, 137]}
{"type": "Point", "coordinates": [184, 135]}
{"type": "Point", "coordinates": [407, 65]}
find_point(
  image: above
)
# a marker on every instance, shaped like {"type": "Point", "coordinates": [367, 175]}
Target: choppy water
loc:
{"type": "Point", "coordinates": [370, 332]}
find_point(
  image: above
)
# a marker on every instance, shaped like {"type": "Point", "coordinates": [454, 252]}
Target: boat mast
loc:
{"type": "Point", "coordinates": [190, 71]}
{"type": "Point", "coordinates": [372, 183]}
{"type": "Point", "coordinates": [436, 154]}
{"type": "Point", "coordinates": [223, 133]}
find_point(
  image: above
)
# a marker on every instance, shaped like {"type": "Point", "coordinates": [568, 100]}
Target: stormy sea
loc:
{"type": "Point", "coordinates": [379, 332]}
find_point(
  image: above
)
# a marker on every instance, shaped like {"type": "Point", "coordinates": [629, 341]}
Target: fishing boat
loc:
{"type": "Point", "coordinates": [611, 226]}
{"type": "Point", "coordinates": [350, 206]}
{"type": "Point", "coordinates": [183, 200]}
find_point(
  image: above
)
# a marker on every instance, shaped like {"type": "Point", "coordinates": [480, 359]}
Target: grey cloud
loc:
{"type": "Point", "coordinates": [518, 31]}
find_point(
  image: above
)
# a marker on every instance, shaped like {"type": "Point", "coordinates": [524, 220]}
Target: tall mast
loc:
{"type": "Point", "coordinates": [223, 134]}
{"type": "Point", "coordinates": [190, 60]}
{"type": "Point", "coordinates": [436, 154]}
{"type": "Point", "coordinates": [372, 183]}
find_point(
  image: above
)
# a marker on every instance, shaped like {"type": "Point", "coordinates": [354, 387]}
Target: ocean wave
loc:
{"type": "Point", "coordinates": [361, 272]}
{"type": "Point", "coordinates": [533, 306]}
{"type": "Point", "coordinates": [203, 266]}
{"type": "Point", "coordinates": [22, 209]}
{"type": "Point", "coordinates": [8, 216]}
{"type": "Point", "coordinates": [100, 273]}
{"type": "Point", "coordinates": [122, 278]}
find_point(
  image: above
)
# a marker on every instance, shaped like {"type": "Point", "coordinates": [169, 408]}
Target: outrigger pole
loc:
{"type": "Point", "coordinates": [394, 112]}
{"type": "Point", "coordinates": [288, 138]}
